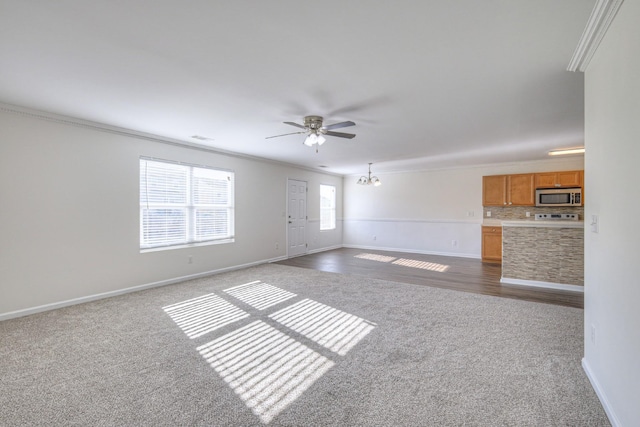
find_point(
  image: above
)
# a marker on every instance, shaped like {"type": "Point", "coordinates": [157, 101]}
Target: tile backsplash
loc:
{"type": "Point", "coordinates": [519, 212]}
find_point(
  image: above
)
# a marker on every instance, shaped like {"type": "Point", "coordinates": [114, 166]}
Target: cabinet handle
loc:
{"type": "Point", "coordinates": [509, 202]}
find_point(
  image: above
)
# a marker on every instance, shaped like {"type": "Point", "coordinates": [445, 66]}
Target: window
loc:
{"type": "Point", "coordinates": [183, 204]}
{"type": "Point", "coordinates": [327, 207]}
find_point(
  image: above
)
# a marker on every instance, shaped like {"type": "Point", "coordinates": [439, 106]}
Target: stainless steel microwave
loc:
{"type": "Point", "coordinates": [559, 197]}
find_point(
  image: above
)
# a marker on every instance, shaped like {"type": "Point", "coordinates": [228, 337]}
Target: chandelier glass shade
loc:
{"type": "Point", "coordinates": [369, 180]}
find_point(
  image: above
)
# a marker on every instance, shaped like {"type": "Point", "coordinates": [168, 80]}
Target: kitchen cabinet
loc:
{"type": "Point", "coordinates": [521, 191]}
{"type": "Point", "coordinates": [559, 179]}
{"type": "Point", "coordinates": [492, 244]}
{"type": "Point", "coordinates": [494, 190]}
{"type": "Point", "coordinates": [508, 190]}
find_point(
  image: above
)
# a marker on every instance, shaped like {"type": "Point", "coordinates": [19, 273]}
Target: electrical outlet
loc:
{"type": "Point", "coordinates": [470, 213]}
{"type": "Point", "coordinates": [528, 214]}
{"type": "Point", "coordinates": [277, 246]}
{"type": "Point", "coordinates": [375, 237]}
{"type": "Point", "coordinates": [190, 259]}
{"type": "Point", "coordinates": [454, 243]}
{"type": "Point", "coordinates": [593, 334]}
{"type": "Point", "coordinates": [488, 214]}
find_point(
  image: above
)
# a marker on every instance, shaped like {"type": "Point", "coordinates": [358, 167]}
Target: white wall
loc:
{"type": "Point", "coordinates": [612, 270]}
{"type": "Point", "coordinates": [426, 211]}
{"type": "Point", "coordinates": [69, 213]}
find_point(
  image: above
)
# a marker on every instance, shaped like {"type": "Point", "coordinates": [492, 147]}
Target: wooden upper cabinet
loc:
{"type": "Point", "coordinates": [559, 179]}
{"type": "Point", "coordinates": [521, 191]}
{"type": "Point", "coordinates": [494, 190]}
{"type": "Point", "coordinates": [508, 190]}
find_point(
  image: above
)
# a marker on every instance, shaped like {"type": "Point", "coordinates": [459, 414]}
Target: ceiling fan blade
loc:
{"type": "Point", "coordinates": [294, 124]}
{"type": "Point", "coordinates": [340, 134]}
{"type": "Point", "coordinates": [339, 125]}
{"type": "Point", "coordinates": [285, 134]}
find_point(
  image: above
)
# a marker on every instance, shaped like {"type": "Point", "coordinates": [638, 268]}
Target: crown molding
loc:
{"type": "Point", "coordinates": [601, 17]}
{"type": "Point", "coordinates": [102, 127]}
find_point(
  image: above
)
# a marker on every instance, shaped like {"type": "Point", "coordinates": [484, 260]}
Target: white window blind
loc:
{"type": "Point", "coordinates": [327, 207]}
{"type": "Point", "coordinates": [183, 204]}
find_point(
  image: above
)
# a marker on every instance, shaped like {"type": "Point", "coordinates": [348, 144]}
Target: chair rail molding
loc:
{"type": "Point", "coordinates": [601, 17]}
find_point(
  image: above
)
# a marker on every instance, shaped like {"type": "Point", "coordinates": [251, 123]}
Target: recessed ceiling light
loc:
{"type": "Point", "coordinates": [201, 138]}
{"type": "Point", "coordinates": [577, 150]}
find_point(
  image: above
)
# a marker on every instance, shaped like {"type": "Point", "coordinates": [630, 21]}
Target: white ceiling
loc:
{"type": "Point", "coordinates": [428, 83]}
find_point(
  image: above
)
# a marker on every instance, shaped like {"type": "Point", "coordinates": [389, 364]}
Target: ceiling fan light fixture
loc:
{"type": "Point", "coordinates": [311, 139]}
{"type": "Point", "coordinates": [315, 131]}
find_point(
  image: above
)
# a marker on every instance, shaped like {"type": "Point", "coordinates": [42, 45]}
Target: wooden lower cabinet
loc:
{"type": "Point", "coordinates": [492, 244]}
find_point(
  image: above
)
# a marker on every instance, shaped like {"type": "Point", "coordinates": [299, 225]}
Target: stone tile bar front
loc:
{"type": "Point", "coordinates": [539, 253]}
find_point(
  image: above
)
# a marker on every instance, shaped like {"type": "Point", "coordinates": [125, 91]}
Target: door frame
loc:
{"type": "Point", "coordinates": [306, 202]}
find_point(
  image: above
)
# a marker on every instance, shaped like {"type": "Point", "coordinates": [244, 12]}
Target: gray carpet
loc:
{"type": "Point", "coordinates": [297, 347]}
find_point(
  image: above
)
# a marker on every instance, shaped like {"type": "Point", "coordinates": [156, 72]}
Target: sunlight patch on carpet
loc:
{"type": "Point", "coordinates": [265, 367]}
{"type": "Point", "coordinates": [259, 295]}
{"type": "Point", "coordinates": [199, 316]}
{"type": "Point", "coordinates": [329, 327]}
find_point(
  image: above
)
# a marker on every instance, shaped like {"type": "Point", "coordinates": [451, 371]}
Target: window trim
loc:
{"type": "Point", "coordinates": [190, 208]}
{"type": "Point", "coordinates": [333, 208]}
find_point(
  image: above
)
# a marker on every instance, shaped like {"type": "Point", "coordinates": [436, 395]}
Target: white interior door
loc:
{"type": "Point", "coordinates": [297, 217]}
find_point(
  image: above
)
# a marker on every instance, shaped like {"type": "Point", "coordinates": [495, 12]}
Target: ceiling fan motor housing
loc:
{"type": "Point", "coordinates": [313, 122]}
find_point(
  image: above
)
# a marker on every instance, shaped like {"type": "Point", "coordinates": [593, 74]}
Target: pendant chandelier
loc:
{"type": "Point", "coordinates": [371, 180]}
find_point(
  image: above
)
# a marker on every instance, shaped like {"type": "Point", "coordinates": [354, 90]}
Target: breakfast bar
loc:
{"type": "Point", "coordinates": [543, 253]}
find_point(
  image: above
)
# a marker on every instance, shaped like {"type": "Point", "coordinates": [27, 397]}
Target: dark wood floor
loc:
{"type": "Point", "coordinates": [461, 274]}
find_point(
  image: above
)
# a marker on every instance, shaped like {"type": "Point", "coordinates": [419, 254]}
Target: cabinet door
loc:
{"type": "Point", "coordinates": [521, 190]}
{"type": "Point", "coordinates": [559, 179]}
{"type": "Point", "coordinates": [569, 179]}
{"type": "Point", "coordinates": [492, 244]}
{"type": "Point", "coordinates": [494, 190]}
{"type": "Point", "coordinates": [546, 180]}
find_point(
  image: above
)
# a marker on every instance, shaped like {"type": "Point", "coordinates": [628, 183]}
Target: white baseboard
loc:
{"type": "Point", "coordinates": [412, 251]}
{"type": "Point", "coordinates": [89, 298]}
{"type": "Point", "coordinates": [548, 285]}
{"type": "Point", "coordinates": [600, 393]}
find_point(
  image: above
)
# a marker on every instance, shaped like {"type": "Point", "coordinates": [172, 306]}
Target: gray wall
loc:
{"type": "Point", "coordinates": [612, 270]}
{"type": "Point", "coordinates": [69, 214]}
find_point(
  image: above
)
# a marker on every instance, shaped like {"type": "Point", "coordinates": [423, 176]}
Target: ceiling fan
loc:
{"type": "Point", "coordinates": [316, 132]}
